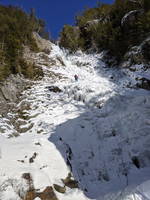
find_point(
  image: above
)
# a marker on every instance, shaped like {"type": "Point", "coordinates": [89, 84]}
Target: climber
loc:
{"type": "Point", "coordinates": [76, 77]}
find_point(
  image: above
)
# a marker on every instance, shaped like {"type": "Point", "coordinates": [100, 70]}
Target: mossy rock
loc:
{"type": "Point", "coordinates": [59, 188]}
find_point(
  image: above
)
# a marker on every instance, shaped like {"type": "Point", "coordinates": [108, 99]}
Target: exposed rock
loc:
{"type": "Point", "coordinates": [27, 176]}
{"type": "Point", "coordinates": [31, 160]}
{"type": "Point", "coordinates": [130, 18]}
{"type": "Point", "coordinates": [144, 84]}
{"type": "Point", "coordinates": [109, 60]}
{"type": "Point", "coordinates": [24, 105]}
{"type": "Point", "coordinates": [37, 143]}
{"type": "Point", "coordinates": [134, 56]}
{"type": "Point", "coordinates": [60, 60]}
{"type": "Point", "coordinates": [138, 55]}
{"type": "Point", "coordinates": [145, 48]}
{"type": "Point", "coordinates": [54, 89]}
{"type": "Point", "coordinates": [31, 194]}
{"type": "Point", "coordinates": [11, 87]}
{"type": "Point", "coordinates": [22, 161]}
{"type": "Point", "coordinates": [44, 56]}
{"type": "Point", "coordinates": [47, 194]}
{"type": "Point", "coordinates": [10, 91]}
{"type": "Point", "coordinates": [43, 45]}
{"type": "Point", "coordinates": [59, 188]}
{"type": "Point", "coordinates": [69, 182]}
{"type": "Point", "coordinates": [23, 129]}
{"type": "Point", "coordinates": [46, 60]}
{"type": "Point", "coordinates": [136, 161]}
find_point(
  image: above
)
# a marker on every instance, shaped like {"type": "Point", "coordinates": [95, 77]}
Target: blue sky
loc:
{"type": "Point", "coordinates": [56, 13]}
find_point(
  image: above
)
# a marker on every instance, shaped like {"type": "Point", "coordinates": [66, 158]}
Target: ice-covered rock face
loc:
{"type": "Point", "coordinates": [94, 127]}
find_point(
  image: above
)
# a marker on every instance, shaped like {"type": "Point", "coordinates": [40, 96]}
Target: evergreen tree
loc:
{"type": "Point", "coordinates": [16, 29]}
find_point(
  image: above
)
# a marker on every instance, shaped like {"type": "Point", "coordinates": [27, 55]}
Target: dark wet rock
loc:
{"type": "Point", "coordinates": [27, 176]}
{"type": "Point", "coordinates": [69, 182]}
{"type": "Point", "coordinates": [54, 89]}
{"type": "Point", "coordinates": [130, 18]}
{"type": "Point", "coordinates": [31, 160]}
{"type": "Point", "coordinates": [37, 143]}
{"type": "Point", "coordinates": [145, 48]}
{"type": "Point", "coordinates": [136, 161]}
{"type": "Point", "coordinates": [144, 84]}
{"type": "Point", "coordinates": [22, 161]}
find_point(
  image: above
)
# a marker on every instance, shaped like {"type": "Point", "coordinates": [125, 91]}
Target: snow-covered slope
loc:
{"type": "Point", "coordinates": [95, 127]}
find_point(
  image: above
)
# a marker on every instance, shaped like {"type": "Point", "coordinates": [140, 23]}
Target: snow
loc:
{"type": "Point", "coordinates": [94, 128]}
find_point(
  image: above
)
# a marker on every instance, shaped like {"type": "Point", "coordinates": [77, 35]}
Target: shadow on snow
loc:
{"type": "Point", "coordinates": [100, 144]}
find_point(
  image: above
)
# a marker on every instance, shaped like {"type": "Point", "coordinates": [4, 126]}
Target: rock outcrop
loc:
{"type": "Point", "coordinates": [10, 91]}
{"type": "Point", "coordinates": [138, 54]}
{"type": "Point", "coordinates": [54, 89]}
{"type": "Point", "coordinates": [43, 45]}
{"type": "Point", "coordinates": [130, 18]}
{"type": "Point", "coordinates": [47, 194]}
{"type": "Point", "coordinates": [144, 83]}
